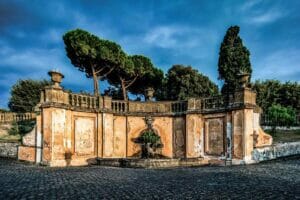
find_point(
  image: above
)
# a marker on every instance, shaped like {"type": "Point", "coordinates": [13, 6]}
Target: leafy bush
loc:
{"type": "Point", "coordinates": [22, 127]}
{"type": "Point", "coordinates": [271, 92]}
{"type": "Point", "coordinates": [25, 95]}
{"type": "Point", "coordinates": [281, 116]}
{"type": "Point", "coordinates": [14, 130]}
{"type": "Point", "coordinates": [149, 137]}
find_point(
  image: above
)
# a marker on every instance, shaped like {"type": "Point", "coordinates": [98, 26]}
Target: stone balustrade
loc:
{"type": "Point", "coordinates": [100, 103]}
{"type": "Point", "coordinates": [119, 106]}
{"type": "Point", "coordinates": [213, 103]}
{"type": "Point", "coordinates": [11, 117]}
{"type": "Point", "coordinates": [55, 95]}
{"type": "Point", "coordinates": [84, 101]}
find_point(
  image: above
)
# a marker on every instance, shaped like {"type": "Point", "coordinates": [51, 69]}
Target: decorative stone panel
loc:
{"type": "Point", "coordinates": [84, 136]}
{"type": "Point", "coordinates": [214, 136]}
{"type": "Point", "coordinates": [179, 137]}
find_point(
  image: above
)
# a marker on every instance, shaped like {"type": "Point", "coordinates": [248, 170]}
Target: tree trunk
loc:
{"type": "Point", "coordinates": [124, 90]}
{"type": "Point", "coordinates": [96, 84]}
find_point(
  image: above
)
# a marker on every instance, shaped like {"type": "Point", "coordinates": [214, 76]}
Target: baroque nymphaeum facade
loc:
{"type": "Point", "coordinates": [76, 129]}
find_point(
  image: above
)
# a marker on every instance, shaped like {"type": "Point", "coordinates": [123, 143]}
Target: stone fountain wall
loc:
{"type": "Point", "coordinates": [75, 129]}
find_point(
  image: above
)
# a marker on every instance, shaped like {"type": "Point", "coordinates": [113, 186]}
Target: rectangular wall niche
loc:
{"type": "Point", "coordinates": [84, 136]}
{"type": "Point", "coordinates": [214, 136]}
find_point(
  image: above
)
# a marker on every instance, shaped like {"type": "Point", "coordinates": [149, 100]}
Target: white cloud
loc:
{"type": "Point", "coordinates": [36, 63]}
{"type": "Point", "coordinates": [257, 13]}
{"type": "Point", "coordinates": [267, 17]}
{"type": "Point", "coordinates": [249, 4]}
{"type": "Point", "coordinates": [52, 35]}
{"type": "Point", "coordinates": [33, 58]}
{"type": "Point", "coordinates": [162, 36]}
{"type": "Point", "coordinates": [281, 64]}
{"type": "Point", "coordinates": [178, 37]}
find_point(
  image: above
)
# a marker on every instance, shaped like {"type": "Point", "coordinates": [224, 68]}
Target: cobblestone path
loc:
{"type": "Point", "coordinates": [272, 180]}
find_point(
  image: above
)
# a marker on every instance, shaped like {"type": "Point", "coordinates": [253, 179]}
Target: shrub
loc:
{"type": "Point", "coordinates": [22, 127]}
{"type": "Point", "coordinates": [149, 137]}
{"type": "Point", "coordinates": [281, 116]}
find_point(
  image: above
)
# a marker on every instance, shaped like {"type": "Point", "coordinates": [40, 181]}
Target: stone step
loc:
{"type": "Point", "coordinates": [151, 163]}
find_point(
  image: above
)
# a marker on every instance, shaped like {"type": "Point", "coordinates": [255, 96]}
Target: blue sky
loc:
{"type": "Point", "coordinates": [169, 32]}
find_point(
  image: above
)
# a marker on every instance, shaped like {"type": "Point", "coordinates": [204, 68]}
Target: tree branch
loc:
{"type": "Point", "coordinates": [131, 82]}
{"type": "Point", "coordinates": [111, 69]}
{"type": "Point", "coordinates": [99, 70]}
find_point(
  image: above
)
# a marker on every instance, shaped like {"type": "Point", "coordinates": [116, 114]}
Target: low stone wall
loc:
{"type": "Point", "coordinates": [276, 151]}
{"type": "Point", "coordinates": [284, 128]}
{"type": "Point", "coordinates": [152, 163]}
{"type": "Point", "coordinates": [9, 149]}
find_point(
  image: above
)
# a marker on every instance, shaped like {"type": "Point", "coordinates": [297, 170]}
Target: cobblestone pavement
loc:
{"type": "Point", "coordinates": [272, 180]}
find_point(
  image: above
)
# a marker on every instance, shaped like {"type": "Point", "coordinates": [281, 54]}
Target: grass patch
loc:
{"type": "Point", "coordinates": [285, 135]}
{"type": "Point", "coordinates": [8, 138]}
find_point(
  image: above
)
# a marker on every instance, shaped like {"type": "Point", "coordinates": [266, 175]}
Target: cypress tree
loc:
{"type": "Point", "coordinates": [234, 58]}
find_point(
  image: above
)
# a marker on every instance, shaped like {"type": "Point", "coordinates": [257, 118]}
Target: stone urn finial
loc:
{"type": "Point", "coordinates": [56, 78]}
{"type": "Point", "coordinates": [244, 79]}
{"type": "Point", "coordinates": [149, 93]}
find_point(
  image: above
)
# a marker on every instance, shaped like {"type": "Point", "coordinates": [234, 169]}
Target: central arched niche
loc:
{"type": "Point", "coordinates": [149, 140]}
{"type": "Point", "coordinates": [163, 127]}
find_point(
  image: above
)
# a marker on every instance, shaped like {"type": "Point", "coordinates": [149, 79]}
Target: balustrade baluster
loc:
{"type": "Point", "coordinates": [72, 100]}
{"type": "Point", "coordinates": [125, 106]}
{"type": "Point", "coordinates": [77, 100]}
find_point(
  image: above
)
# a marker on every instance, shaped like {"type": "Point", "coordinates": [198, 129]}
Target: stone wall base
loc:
{"type": "Point", "coordinates": [276, 151]}
{"type": "Point", "coordinates": [27, 153]}
{"type": "Point", "coordinates": [152, 163]}
{"type": "Point", "coordinates": [9, 149]}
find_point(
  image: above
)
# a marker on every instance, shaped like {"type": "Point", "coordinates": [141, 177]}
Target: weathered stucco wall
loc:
{"type": "Point", "coordinates": [194, 136]}
{"type": "Point", "coordinates": [114, 139]}
{"type": "Point", "coordinates": [238, 127]}
{"type": "Point", "coordinates": [77, 138]}
{"type": "Point", "coordinates": [47, 135]}
{"type": "Point", "coordinates": [164, 128]}
{"type": "Point", "coordinates": [108, 137]}
{"type": "Point", "coordinates": [135, 125]}
{"type": "Point", "coordinates": [248, 134]}
{"type": "Point", "coordinates": [58, 126]}
{"type": "Point", "coordinates": [120, 139]}
{"type": "Point", "coordinates": [27, 153]}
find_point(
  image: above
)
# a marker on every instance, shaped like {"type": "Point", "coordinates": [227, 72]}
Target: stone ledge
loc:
{"type": "Point", "coordinates": [151, 163]}
{"type": "Point", "coordinates": [276, 151]}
